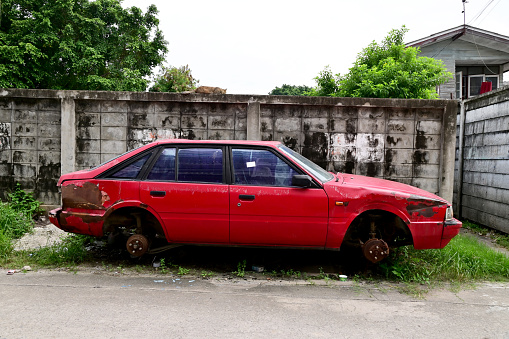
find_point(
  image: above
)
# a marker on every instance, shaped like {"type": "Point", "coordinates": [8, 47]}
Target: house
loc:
{"type": "Point", "coordinates": [472, 54]}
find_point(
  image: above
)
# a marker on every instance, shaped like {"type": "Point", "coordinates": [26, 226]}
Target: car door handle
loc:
{"type": "Point", "coordinates": [157, 193]}
{"type": "Point", "coordinates": [246, 197]}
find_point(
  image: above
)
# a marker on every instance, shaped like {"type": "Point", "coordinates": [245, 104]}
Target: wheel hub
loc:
{"type": "Point", "coordinates": [375, 250]}
{"type": "Point", "coordinates": [137, 245]}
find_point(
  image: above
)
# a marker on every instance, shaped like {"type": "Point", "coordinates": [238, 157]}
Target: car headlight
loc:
{"type": "Point", "coordinates": [449, 215]}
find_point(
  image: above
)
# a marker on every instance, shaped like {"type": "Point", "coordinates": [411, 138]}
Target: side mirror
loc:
{"type": "Point", "coordinates": [302, 180]}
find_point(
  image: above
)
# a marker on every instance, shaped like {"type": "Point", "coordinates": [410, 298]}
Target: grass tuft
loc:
{"type": "Point", "coordinates": [463, 260]}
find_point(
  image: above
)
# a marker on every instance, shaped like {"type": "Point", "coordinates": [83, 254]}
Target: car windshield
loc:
{"type": "Point", "coordinates": [308, 165]}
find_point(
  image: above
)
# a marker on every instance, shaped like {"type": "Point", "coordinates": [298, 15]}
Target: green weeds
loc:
{"type": "Point", "coordinates": [23, 202]}
{"type": "Point", "coordinates": [463, 260]}
{"type": "Point", "coordinates": [241, 269]}
{"type": "Point", "coordinates": [16, 219]}
{"type": "Point", "coordinates": [183, 270]}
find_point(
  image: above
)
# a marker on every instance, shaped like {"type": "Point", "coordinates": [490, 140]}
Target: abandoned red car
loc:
{"type": "Point", "coordinates": [246, 193]}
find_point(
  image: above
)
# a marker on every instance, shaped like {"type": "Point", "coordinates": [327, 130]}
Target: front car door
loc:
{"type": "Point", "coordinates": [265, 209]}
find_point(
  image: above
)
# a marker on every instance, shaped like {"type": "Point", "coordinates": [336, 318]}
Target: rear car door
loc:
{"type": "Point", "coordinates": [186, 186]}
{"type": "Point", "coordinates": [265, 209]}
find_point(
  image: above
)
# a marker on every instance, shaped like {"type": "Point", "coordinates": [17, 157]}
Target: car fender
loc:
{"type": "Point", "coordinates": [337, 230]}
{"type": "Point", "coordinates": [378, 206]}
{"type": "Point", "coordinates": [134, 203]}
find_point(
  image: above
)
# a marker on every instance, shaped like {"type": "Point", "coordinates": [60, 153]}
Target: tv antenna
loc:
{"type": "Point", "coordinates": [464, 14]}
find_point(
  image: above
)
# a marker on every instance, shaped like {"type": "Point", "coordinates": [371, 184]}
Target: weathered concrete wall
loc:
{"type": "Point", "coordinates": [30, 145]}
{"type": "Point", "coordinates": [483, 190]}
{"type": "Point", "coordinates": [410, 141]}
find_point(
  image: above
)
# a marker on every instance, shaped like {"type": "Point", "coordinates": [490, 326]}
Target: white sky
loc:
{"type": "Point", "coordinates": [250, 47]}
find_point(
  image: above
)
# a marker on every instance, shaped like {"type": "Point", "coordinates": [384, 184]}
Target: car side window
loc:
{"type": "Point", "coordinates": [132, 170]}
{"type": "Point", "coordinates": [260, 167]}
{"type": "Point", "coordinates": [164, 167]}
{"type": "Point", "coordinates": [200, 165]}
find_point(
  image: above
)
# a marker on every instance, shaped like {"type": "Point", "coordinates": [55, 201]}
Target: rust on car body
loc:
{"type": "Point", "coordinates": [422, 206]}
{"type": "Point", "coordinates": [87, 196]}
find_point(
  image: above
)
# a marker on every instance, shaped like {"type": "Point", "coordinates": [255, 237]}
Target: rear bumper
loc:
{"type": "Point", "coordinates": [53, 217]}
{"type": "Point", "coordinates": [451, 229]}
{"type": "Point", "coordinates": [77, 222]}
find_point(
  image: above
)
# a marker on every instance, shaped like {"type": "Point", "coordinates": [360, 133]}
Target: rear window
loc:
{"type": "Point", "coordinates": [132, 170]}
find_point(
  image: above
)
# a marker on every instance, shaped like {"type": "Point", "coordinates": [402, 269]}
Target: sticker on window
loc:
{"type": "Point", "coordinates": [250, 164]}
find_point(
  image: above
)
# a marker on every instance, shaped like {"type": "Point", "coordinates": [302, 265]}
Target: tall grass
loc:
{"type": "Point", "coordinates": [13, 225]}
{"type": "Point", "coordinates": [464, 259]}
{"type": "Point", "coordinates": [71, 251]}
{"type": "Point", "coordinates": [17, 219]}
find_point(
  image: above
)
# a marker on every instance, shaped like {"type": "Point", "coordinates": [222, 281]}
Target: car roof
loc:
{"type": "Point", "coordinates": [222, 142]}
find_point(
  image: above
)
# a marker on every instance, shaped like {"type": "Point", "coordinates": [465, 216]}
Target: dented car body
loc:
{"type": "Point", "coordinates": [247, 193]}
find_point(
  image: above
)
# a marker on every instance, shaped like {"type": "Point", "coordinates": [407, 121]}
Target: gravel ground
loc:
{"type": "Point", "coordinates": [45, 234]}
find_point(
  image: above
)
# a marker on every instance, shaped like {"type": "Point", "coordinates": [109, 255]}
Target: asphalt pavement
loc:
{"type": "Point", "coordinates": [52, 304]}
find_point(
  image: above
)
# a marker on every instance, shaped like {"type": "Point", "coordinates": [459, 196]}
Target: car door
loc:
{"type": "Point", "coordinates": [265, 209]}
{"type": "Point", "coordinates": [186, 186]}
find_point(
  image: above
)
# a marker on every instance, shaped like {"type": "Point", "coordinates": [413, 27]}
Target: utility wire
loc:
{"type": "Point", "coordinates": [487, 14]}
{"type": "Point", "coordinates": [481, 12]}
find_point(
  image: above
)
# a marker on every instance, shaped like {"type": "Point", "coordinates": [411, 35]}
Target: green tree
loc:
{"type": "Point", "coordinates": [388, 70]}
{"type": "Point", "coordinates": [327, 84]}
{"type": "Point", "coordinates": [290, 90]}
{"type": "Point", "coordinates": [78, 44]}
{"type": "Point", "coordinates": [174, 79]}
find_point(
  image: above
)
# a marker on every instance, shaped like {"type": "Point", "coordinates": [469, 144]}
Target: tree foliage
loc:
{"type": "Point", "coordinates": [174, 79]}
{"type": "Point", "coordinates": [327, 84]}
{"type": "Point", "coordinates": [290, 90]}
{"type": "Point", "coordinates": [387, 70]}
{"type": "Point", "coordinates": [78, 44]}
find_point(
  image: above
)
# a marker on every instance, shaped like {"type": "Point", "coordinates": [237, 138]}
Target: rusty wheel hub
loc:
{"type": "Point", "coordinates": [375, 250]}
{"type": "Point", "coordinates": [137, 245]}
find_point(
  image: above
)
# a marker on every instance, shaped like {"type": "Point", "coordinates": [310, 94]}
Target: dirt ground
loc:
{"type": "Point", "coordinates": [45, 234]}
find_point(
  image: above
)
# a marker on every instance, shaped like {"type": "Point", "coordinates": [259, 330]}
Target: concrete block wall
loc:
{"type": "Point", "coordinates": [30, 146]}
{"type": "Point", "coordinates": [410, 141]}
{"type": "Point", "coordinates": [482, 184]}
{"type": "Point", "coordinates": [381, 140]}
{"type": "Point", "coordinates": [106, 129]}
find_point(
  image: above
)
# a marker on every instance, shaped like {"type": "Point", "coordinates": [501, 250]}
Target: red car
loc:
{"type": "Point", "coordinates": [248, 193]}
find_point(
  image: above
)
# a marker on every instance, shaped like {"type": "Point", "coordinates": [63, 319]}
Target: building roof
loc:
{"type": "Point", "coordinates": [474, 35]}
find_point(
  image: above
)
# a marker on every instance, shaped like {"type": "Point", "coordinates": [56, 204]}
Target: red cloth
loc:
{"type": "Point", "coordinates": [486, 86]}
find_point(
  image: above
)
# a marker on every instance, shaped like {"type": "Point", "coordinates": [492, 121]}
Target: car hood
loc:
{"type": "Point", "coordinates": [349, 186]}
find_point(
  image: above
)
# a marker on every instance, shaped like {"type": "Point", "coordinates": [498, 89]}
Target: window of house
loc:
{"type": "Point", "coordinates": [459, 86]}
{"type": "Point", "coordinates": [472, 78]}
{"type": "Point", "coordinates": [474, 84]}
{"type": "Point", "coordinates": [494, 81]}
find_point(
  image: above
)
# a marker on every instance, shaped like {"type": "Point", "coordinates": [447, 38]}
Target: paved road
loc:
{"type": "Point", "coordinates": [86, 305]}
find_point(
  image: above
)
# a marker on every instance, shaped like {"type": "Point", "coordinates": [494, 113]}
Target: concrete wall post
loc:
{"type": "Point", "coordinates": [253, 121]}
{"type": "Point", "coordinates": [68, 135]}
{"type": "Point", "coordinates": [446, 179]}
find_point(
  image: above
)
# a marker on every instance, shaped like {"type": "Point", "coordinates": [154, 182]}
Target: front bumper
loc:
{"type": "Point", "coordinates": [451, 229]}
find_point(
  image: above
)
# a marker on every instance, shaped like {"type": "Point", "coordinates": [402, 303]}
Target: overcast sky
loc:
{"type": "Point", "coordinates": [250, 47]}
